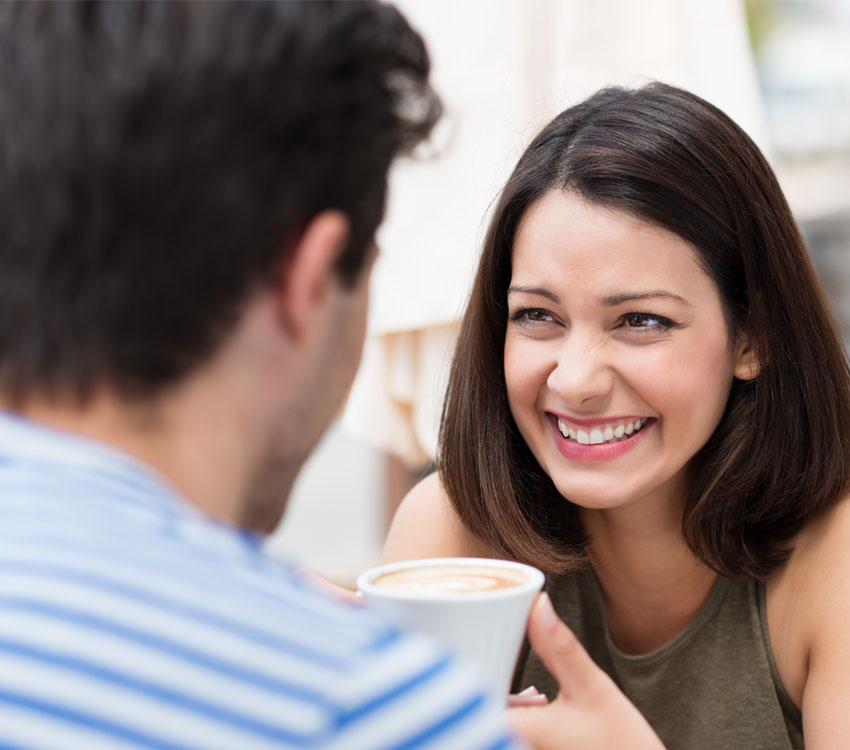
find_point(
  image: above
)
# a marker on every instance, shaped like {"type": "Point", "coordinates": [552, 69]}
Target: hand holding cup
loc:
{"type": "Point", "coordinates": [590, 712]}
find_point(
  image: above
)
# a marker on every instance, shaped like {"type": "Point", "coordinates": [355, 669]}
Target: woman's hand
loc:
{"type": "Point", "coordinates": [319, 582]}
{"type": "Point", "coordinates": [531, 696]}
{"type": "Point", "coordinates": [590, 712]}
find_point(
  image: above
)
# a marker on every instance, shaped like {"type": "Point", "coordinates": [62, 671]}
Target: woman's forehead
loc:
{"type": "Point", "coordinates": [565, 243]}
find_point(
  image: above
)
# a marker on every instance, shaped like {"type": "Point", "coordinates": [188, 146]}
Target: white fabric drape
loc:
{"type": "Point", "coordinates": [503, 69]}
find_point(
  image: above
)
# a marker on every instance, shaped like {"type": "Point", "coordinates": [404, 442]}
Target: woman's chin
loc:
{"type": "Point", "coordinates": [594, 501]}
{"type": "Point", "coordinates": [599, 496]}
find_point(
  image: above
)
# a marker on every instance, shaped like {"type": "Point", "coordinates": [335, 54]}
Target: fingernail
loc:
{"type": "Point", "coordinates": [546, 611]}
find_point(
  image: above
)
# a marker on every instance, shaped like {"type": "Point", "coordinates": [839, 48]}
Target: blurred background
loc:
{"type": "Point", "coordinates": [780, 68]}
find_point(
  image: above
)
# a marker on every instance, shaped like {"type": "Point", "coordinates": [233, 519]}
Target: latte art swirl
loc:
{"type": "Point", "coordinates": [446, 579]}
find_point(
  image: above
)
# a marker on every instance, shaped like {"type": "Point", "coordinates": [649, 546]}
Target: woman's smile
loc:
{"type": "Point", "coordinates": [598, 431]}
{"type": "Point", "coordinates": [600, 439]}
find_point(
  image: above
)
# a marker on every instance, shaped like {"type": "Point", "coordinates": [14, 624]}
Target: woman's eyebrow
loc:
{"type": "Point", "coordinates": [618, 299]}
{"type": "Point", "coordinates": [610, 301]}
{"type": "Point", "coordinates": [540, 291]}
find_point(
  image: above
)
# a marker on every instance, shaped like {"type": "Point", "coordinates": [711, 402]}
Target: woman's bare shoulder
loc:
{"type": "Point", "coordinates": [819, 566]}
{"type": "Point", "coordinates": [819, 569]}
{"type": "Point", "coordinates": [426, 525]}
{"type": "Point", "coordinates": [822, 548]}
{"type": "Point", "coordinates": [807, 599]}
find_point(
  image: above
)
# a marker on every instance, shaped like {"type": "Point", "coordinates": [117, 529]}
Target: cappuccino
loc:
{"type": "Point", "coordinates": [475, 605]}
{"type": "Point", "coordinates": [450, 579]}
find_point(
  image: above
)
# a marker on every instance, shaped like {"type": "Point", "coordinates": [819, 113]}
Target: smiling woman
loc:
{"type": "Point", "coordinates": [628, 337]}
{"type": "Point", "coordinates": [649, 401]}
{"type": "Point", "coordinates": [625, 195]}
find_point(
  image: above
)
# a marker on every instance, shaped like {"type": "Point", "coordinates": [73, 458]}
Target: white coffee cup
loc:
{"type": "Point", "coordinates": [473, 614]}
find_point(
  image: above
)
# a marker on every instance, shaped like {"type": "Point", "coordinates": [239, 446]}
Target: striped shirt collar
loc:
{"type": "Point", "coordinates": [78, 462]}
{"type": "Point", "coordinates": [30, 444]}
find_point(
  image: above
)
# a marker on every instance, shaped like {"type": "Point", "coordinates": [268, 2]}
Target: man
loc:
{"type": "Point", "coordinates": [189, 198]}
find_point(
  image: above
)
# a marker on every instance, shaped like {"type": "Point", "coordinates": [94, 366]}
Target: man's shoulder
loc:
{"type": "Point", "coordinates": [219, 637]}
{"type": "Point", "coordinates": [200, 575]}
{"type": "Point", "coordinates": [170, 628]}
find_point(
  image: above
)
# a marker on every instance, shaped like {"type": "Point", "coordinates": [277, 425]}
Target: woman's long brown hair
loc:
{"type": "Point", "coordinates": [781, 453]}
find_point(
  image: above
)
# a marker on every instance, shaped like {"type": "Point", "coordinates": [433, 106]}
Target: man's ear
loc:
{"type": "Point", "coordinates": [747, 365]}
{"type": "Point", "coordinates": [308, 271]}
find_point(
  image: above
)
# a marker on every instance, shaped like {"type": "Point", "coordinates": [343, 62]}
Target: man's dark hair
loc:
{"type": "Point", "coordinates": [157, 159]}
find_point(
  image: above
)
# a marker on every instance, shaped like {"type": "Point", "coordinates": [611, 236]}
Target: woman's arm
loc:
{"type": "Point", "coordinates": [825, 566]}
{"type": "Point", "coordinates": [426, 525]}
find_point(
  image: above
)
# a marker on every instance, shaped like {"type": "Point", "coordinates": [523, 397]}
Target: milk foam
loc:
{"type": "Point", "coordinates": [447, 579]}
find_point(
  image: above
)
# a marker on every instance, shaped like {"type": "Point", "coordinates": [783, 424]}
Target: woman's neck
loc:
{"type": "Point", "coordinates": [652, 584]}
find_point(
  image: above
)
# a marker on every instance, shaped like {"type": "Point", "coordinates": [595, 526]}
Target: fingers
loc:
{"type": "Point", "coordinates": [318, 581]}
{"type": "Point", "coordinates": [534, 724]}
{"type": "Point", "coordinates": [528, 697]}
{"type": "Point", "coordinates": [560, 651]}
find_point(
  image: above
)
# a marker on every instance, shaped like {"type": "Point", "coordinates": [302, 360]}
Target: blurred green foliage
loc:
{"type": "Point", "coordinates": [762, 16]}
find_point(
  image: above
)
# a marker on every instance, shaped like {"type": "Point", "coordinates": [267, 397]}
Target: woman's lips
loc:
{"type": "Point", "coordinates": [602, 439]}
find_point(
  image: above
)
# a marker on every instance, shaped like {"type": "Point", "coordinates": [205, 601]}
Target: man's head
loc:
{"type": "Point", "coordinates": [159, 160]}
{"type": "Point", "coordinates": [163, 166]}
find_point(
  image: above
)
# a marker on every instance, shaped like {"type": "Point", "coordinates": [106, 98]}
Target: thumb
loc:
{"type": "Point", "coordinates": [560, 651]}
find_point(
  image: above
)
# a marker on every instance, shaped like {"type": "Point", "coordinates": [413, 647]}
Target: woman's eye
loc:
{"type": "Point", "coordinates": [647, 322]}
{"type": "Point", "coordinates": [530, 316]}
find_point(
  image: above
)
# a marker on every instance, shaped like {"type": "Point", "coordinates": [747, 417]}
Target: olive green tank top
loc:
{"type": "Point", "coordinates": [713, 687]}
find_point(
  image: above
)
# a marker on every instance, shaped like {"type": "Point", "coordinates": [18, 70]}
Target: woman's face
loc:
{"type": "Point", "coordinates": [618, 361]}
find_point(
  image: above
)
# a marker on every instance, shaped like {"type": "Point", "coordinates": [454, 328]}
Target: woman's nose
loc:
{"type": "Point", "coordinates": [581, 374]}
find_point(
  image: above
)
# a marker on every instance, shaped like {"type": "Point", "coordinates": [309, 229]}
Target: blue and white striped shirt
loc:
{"type": "Point", "coordinates": [128, 619]}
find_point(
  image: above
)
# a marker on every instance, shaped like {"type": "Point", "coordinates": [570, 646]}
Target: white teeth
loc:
{"type": "Point", "coordinates": [599, 435]}
{"type": "Point", "coordinates": [563, 428]}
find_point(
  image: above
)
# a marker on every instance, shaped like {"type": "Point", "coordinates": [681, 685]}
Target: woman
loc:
{"type": "Point", "coordinates": [649, 401]}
